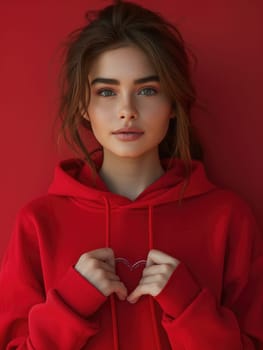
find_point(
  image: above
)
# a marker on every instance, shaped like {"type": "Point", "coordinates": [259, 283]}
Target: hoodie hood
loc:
{"type": "Point", "coordinates": [74, 178]}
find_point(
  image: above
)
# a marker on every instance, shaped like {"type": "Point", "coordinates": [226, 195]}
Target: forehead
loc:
{"type": "Point", "coordinates": [126, 62]}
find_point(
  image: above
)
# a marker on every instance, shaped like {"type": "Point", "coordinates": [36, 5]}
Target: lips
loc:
{"type": "Point", "coordinates": [128, 134]}
{"type": "Point", "coordinates": [127, 131]}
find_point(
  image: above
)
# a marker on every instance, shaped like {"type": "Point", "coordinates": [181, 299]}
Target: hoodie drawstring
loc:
{"type": "Point", "coordinates": [151, 300]}
{"type": "Point", "coordinates": [112, 297]}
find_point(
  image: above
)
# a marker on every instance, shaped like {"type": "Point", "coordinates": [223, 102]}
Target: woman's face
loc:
{"type": "Point", "coordinates": [128, 110]}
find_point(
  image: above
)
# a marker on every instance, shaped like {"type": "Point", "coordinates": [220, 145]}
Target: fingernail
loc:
{"type": "Point", "coordinates": [132, 301]}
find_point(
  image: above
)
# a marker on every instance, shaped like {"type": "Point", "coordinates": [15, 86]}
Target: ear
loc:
{"type": "Point", "coordinates": [83, 112]}
{"type": "Point", "coordinates": [85, 116]}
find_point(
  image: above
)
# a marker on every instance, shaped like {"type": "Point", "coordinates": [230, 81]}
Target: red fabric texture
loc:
{"type": "Point", "coordinates": [213, 300]}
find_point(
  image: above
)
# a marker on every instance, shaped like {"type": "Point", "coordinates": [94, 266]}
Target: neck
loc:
{"type": "Point", "coordinates": [130, 176]}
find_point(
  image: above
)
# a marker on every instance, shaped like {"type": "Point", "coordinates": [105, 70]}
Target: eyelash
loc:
{"type": "Point", "coordinates": [99, 92]}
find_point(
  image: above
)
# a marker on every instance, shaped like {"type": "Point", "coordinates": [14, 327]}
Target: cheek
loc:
{"type": "Point", "coordinates": [98, 112]}
{"type": "Point", "coordinates": [159, 106]}
{"type": "Point", "coordinates": [159, 115]}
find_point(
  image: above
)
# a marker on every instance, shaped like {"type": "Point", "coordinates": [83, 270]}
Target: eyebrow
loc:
{"type": "Point", "coordinates": [117, 82]}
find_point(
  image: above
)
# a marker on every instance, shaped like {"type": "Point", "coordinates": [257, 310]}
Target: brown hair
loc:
{"type": "Point", "coordinates": [116, 26]}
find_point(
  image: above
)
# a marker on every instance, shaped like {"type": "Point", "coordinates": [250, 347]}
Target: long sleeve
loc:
{"type": "Point", "coordinates": [194, 318]}
{"type": "Point", "coordinates": [30, 316]}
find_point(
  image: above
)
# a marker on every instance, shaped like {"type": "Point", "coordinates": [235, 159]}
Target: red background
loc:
{"type": "Point", "coordinates": [227, 38]}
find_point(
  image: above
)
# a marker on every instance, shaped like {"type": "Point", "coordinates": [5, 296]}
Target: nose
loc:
{"type": "Point", "coordinates": [127, 109]}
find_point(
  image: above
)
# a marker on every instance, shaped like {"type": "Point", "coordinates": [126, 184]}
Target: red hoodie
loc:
{"type": "Point", "coordinates": [213, 300]}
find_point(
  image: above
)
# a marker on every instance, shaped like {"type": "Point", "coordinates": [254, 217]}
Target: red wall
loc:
{"type": "Point", "coordinates": [227, 39]}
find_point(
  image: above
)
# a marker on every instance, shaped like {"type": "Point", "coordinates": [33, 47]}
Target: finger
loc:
{"type": "Point", "coordinates": [135, 295]}
{"type": "Point", "coordinates": [142, 289]}
{"type": "Point", "coordinates": [93, 264]}
{"type": "Point", "coordinates": [157, 257]}
{"type": "Point", "coordinates": [99, 276]}
{"type": "Point", "coordinates": [110, 276]}
{"type": "Point", "coordinates": [158, 278]}
{"type": "Point", "coordinates": [120, 289]}
{"type": "Point", "coordinates": [103, 254]}
{"type": "Point", "coordinates": [156, 269]}
{"type": "Point", "coordinates": [106, 267]}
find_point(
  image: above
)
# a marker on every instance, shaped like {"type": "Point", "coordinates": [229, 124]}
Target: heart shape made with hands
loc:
{"type": "Point", "coordinates": [130, 274]}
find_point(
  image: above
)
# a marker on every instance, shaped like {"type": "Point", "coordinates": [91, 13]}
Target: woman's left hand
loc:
{"type": "Point", "coordinates": [158, 270]}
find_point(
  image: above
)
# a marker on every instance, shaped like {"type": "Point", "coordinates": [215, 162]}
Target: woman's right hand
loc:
{"type": "Point", "coordinates": [98, 267]}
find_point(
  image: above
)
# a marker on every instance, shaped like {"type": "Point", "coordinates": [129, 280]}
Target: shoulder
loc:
{"type": "Point", "coordinates": [238, 216]}
{"type": "Point", "coordinates": [39, 207]}
{"type": "Point", "coordinates": [227, 208]}
{"type": "Point", "coordinates": [226, 198]}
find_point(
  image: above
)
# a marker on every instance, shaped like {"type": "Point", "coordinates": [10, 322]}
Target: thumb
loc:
{"type": "Point", "coordinates": [136, 294]}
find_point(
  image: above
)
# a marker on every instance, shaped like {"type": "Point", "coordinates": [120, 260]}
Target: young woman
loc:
{"type": "Point", "coordinates": [132, 247]}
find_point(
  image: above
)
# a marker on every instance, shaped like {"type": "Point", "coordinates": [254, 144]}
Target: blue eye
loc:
{"type": "Point", "coordinates": [148, 91]}
{"type": "Point", "coordinates": [106, 93]}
